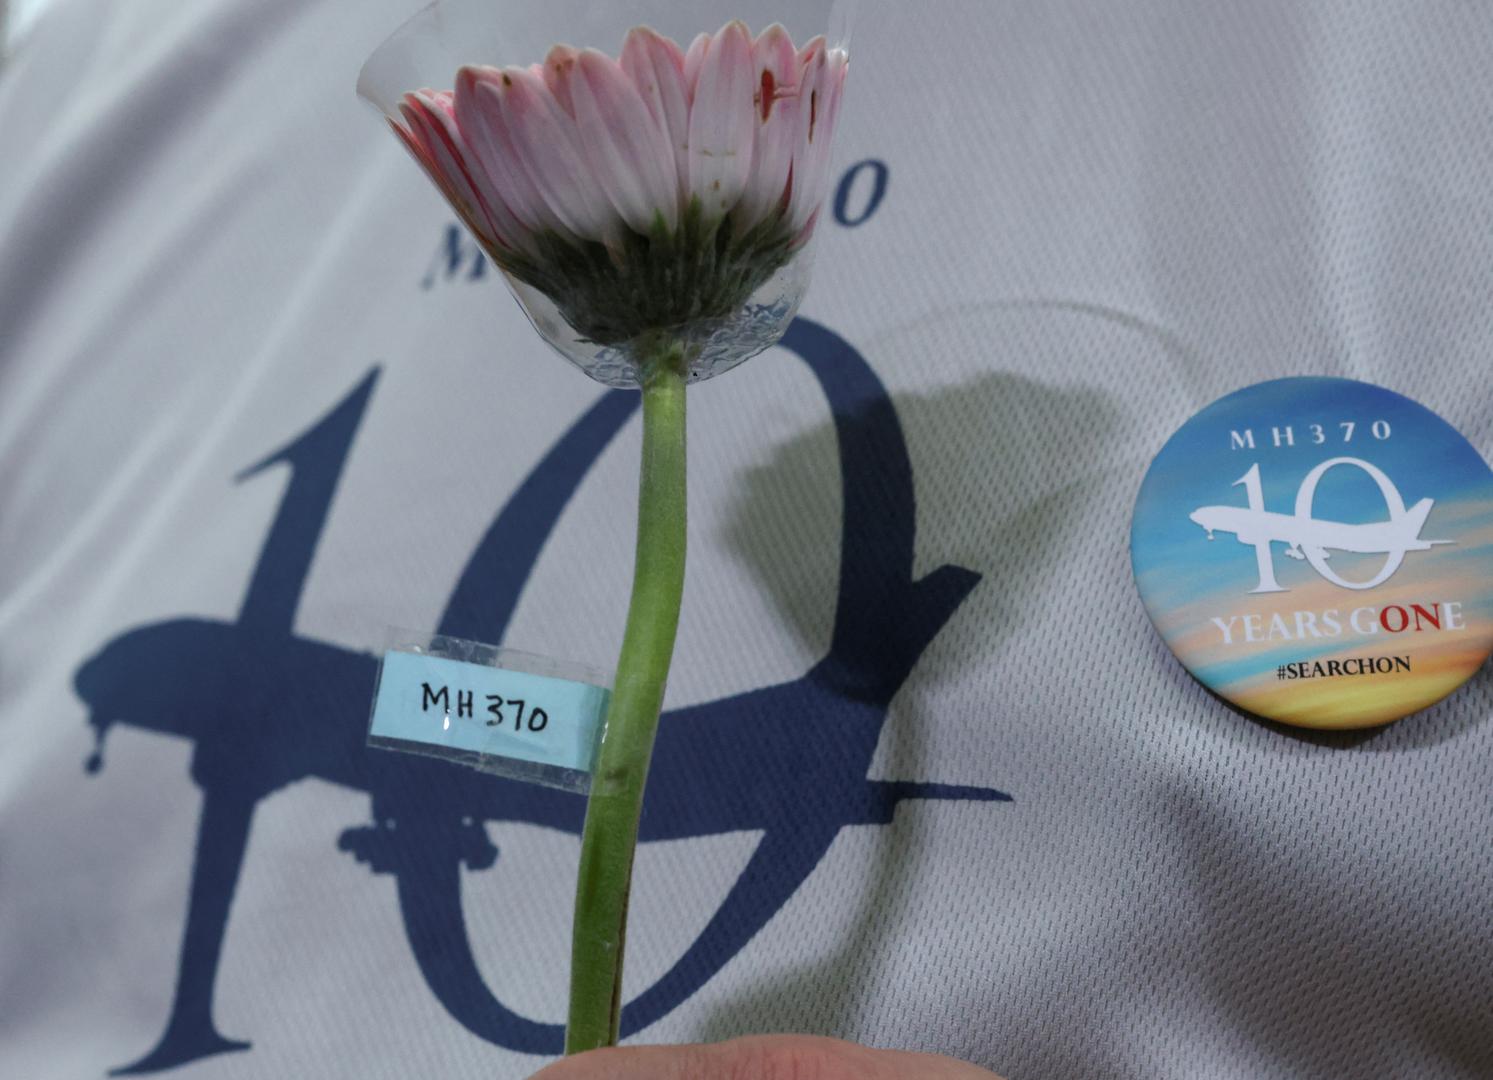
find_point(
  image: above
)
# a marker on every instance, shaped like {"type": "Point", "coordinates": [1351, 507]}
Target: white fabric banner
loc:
{"type": "Point", "coordinates": [928, 778]}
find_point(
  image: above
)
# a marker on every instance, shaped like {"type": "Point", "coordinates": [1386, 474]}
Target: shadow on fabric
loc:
{"type": "Point", "coordinates": [265, 708]}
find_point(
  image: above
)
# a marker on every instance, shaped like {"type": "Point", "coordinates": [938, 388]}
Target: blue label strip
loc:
{"type": "Point", "coordinates": [473, 709]}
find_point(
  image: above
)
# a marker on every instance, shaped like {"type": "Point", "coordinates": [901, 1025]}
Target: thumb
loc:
{"type": "Point", "coordinates": [760, 1057]}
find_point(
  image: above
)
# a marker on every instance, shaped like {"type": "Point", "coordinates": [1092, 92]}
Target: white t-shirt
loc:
{"type": "Point", "coordinates": [928, 778]}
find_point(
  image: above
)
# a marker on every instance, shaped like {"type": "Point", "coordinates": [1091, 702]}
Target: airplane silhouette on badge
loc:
{"type": "Point", "coordinates": [1303, 535]}
{"type": "Point", "coordinates": [1311, 538]}
{"type": "Point", "coordinates": [266, 708]}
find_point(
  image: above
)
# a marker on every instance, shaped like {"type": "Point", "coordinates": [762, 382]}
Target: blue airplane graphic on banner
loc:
{"type": "Point", "coordinates": [266, 708]}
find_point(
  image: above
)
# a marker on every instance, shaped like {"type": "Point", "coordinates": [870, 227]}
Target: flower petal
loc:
{"type": "Point", "coordinates": [721, 122]}
{"type": "Point", "coordinates": [548, 146]}
{"type": "Point", "coordinates": [776, 101]}
{"type": "Point", "coordinates": [628, 151]}
{"type": "Point", "coordinates": [692, 61]}
{"type": "Point", "coordinates": [822, 85]}
{"type": "Point", "coordinates": [445, 156]}
{"type": "Point", "coordinates": [556, 71]}
{"type": "Point", "coordinates": [479, 115]}
{"type": "Point", "coordinates": [656, 67]}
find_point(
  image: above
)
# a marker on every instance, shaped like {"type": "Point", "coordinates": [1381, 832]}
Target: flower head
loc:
{"type": "Point", "coordinates": [642, 193]}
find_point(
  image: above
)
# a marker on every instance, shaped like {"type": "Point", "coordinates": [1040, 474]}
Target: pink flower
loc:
{"type": "Point", "coordinates": [642, 192]}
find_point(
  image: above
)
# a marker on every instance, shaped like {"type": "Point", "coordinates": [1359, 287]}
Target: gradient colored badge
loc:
{"type": "Point", "coordinates": [1319, 551]}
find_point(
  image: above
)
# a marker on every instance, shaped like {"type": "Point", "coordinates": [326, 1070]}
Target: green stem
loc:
{"type": "Point", "coordinates": [632, 719]}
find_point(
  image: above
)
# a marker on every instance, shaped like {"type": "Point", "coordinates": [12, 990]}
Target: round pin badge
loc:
{"type": "Point", "coordinates": [1319, 551]}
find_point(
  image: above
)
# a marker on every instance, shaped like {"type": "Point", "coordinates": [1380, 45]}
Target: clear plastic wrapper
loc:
{"type": "Point", "coordinates": [646, 176]}
{"type": "Point", "coordinates": [498, 710]}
